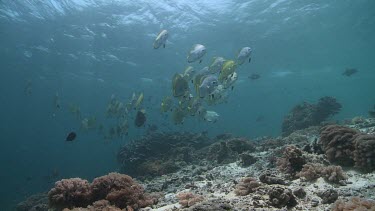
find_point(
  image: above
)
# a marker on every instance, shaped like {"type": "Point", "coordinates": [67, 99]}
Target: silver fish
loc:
{"type": "Point", "coordinates": [243, 55]}
{"type": "Point", "coordinates": [196, 53]}
{"type": "Point", "coordinates": [208, 85]}
{"type": "Point", "coordinates": [161, 39]}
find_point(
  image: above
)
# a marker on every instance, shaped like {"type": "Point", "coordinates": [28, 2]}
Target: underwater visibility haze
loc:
{"type": "Point", "coordinates": [90, 87]}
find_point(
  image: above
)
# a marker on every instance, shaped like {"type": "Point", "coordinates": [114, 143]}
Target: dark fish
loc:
{"type": "Point", "coordinates": [259, 118]}
{"type": "Point", "coordinates": [350, 71]}
{"type": "Point", "coordinates": [254, 76]}
{"type": "Point", "coordinates": [140, 119]}
{"type": "Point", "coordinates": [71, 136]}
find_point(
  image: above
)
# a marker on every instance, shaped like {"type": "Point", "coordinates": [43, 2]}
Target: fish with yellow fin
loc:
{"type": "Point", "coordinates": [180, 85]}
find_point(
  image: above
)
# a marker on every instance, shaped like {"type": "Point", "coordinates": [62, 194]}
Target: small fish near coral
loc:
{"type": "Point", "coordinates": [350, 71]}
{"type": "Point", "coordinates": [71, 136]}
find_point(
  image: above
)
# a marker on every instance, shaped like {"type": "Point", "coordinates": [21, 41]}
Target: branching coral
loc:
{"type": "Point", "coordinates": [188, 199]}
{"type": "Point", "coordinates": [307, 114]}
{"type": "Point", "coordinates": [355, 204]}
{"type": "Point", "coordinates": [333, 174]}
{"type": "Point", "coordinates": [69, 193]}
{"type": "Point", "coordinates": [292, 160]}
{"type": "Point", "coordinates": [246, 185]}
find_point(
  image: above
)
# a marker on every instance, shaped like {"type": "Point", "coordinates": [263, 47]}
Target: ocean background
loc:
{"type": "Point", "coordinates": [88, 50]}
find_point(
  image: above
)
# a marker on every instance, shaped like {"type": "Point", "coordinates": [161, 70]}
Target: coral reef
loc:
{"type": "Point", "coordinates": [246, 185]}
{"type": "Point", "coordinates": [333, 174]}
{"type": "Point", "coordinates": [292, 160]}
{"type": "Point", "coordinates": [118, 190]}
{"type": "Point", "coordinates": [229, 151]}
{"type": "Point", "coordinates": [69, 193]}
{"type": "Point", "coordinates": [37, 202]}
{"type": "Point", "coordinates": [306, 114]}
{"type": "Point", "coordinates": [150, 154]}
{"type": "Point", "coordinates": [193, 172]}
{"type": "Point", "coordinates": [354, 204]}
{"type": "Point", "coordinates": [162, 153]}
{"type": "Point", "coordinates": [188, 199]}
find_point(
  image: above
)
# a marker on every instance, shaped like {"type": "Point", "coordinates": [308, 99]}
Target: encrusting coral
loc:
{"type": "Point", "coordinates": [119, 190]}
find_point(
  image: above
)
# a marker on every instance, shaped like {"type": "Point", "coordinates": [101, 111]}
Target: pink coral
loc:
{"type": "Point", "coordinates": [120, 190]}
{"type": "Point", "coordinates": [246, 185]}
{"type": "Point", "coordinates": [355, 204]}
{"type": "Point", "coordinates": [188, 199]}
{"type": "Point", "coordinates": [68, 193]}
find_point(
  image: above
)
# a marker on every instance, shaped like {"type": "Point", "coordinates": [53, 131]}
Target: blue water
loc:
{"type": "Point", "coordinates": [87, 50]}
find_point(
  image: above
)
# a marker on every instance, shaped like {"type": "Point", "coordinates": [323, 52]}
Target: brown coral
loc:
{"type": "Point", "coordinates": [364, 153]}
{"type": "Point", "coordinates": [337, 143]}
{"type": "Point", "coordinates": [333, 174]}
{"type": "Point", "coordinates": [348, 147]}
{"type": "Point", "coordinates": [188, 199]}
{"type": "Point", "coordinates": [69, 193]}
{"type": "Point", "coordinates": [292, 160]}
{"type": "Point", "coordinates": [120, 190]}
{"type": "Point", "coordinates": [246, 185]}
{"type": "Point", "coordinates": [355, 204]}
